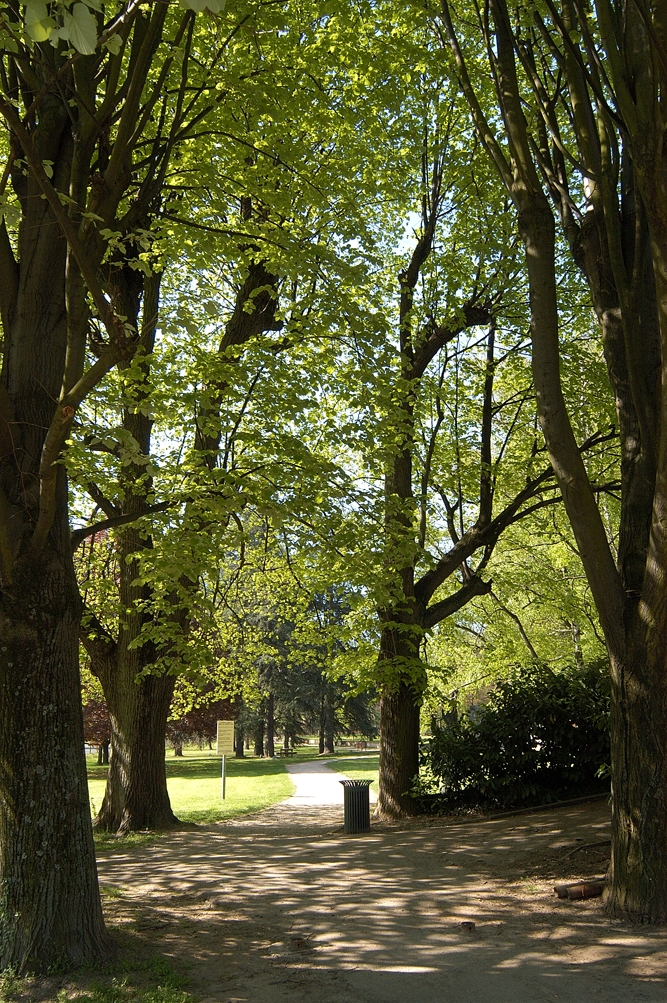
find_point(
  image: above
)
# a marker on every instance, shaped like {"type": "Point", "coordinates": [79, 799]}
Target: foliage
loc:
{"type": "Point", "coordinates": [541, 736]}
{"type": "Point", "coordinates": [96, 723]}
{"type": "Point", "coordinates": [199, 724]}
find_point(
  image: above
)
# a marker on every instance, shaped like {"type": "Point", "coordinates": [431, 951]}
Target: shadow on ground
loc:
{"type": "Point", "coordinates": [283, 906]}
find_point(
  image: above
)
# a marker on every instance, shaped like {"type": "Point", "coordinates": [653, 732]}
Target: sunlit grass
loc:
{"type": "Point", "coordinates": [195, 785]}
{"type": "Point", "coordinates": [358, 768]}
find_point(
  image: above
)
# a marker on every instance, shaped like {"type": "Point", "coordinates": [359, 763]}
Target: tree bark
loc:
{"type": "Point", "coordinates": [399, 750]}
{"type": "Point", "coordinates": [329, 722]}
{"type": "Point", "coordinates": [136, 795]}
{"type": "Point", "coordinates": [270, 727]}
{"type": "Point", "coordinates": [50, 909]}
{"type": "Point", "coordinates": [327, 718]}
{"type": "Point", "coordinates": [49, 901]}
{"type": "Point", "coordinates": [258, 736]}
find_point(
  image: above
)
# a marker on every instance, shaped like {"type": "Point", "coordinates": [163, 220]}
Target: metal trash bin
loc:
{"type": "Point", "coordinates": [356, 806]}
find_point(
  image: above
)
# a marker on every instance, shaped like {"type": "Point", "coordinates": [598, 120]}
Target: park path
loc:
{"type": "Point", "coordinates": [283, 907]}
{"type": "Point", "coordinates": [317, 784]}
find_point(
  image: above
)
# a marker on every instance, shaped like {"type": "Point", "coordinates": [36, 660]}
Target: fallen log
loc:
{"type": "Point", "coordinates": [581, 889]}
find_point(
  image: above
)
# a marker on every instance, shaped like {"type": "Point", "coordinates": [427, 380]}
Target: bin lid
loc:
{"type": "Point", "coordinates": [355, 783]}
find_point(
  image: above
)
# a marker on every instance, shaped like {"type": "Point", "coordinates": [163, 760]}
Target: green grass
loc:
{"type": "Point", "coordinates": [122, 991]}
{"type": "Point", "coordinates": [358, 768]}
{"type": "Point", "coordinates": [151, 981]}
{"type": "Point", "coordinates": [194, 785]}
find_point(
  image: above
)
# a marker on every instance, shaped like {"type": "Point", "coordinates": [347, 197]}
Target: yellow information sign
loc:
{"type": "Point", "coordinates": [225, 739]}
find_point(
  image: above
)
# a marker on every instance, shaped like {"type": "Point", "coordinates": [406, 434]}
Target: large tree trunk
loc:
{"type": "Point", "coordinates": [638, 872]}
{"type": "Point", "coordinates": [399, 750]}
{"type": "Point", "coordinates": [49, 901]}
{"type": "Point", "coordinates": [136, 795]}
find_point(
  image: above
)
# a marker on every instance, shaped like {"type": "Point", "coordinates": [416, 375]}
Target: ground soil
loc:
{"type": "Point", "coordinates": [282, 905]}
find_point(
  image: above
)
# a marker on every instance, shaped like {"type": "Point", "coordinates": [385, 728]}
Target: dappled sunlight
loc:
{"type": "Point", "coordinates": [393, 902]}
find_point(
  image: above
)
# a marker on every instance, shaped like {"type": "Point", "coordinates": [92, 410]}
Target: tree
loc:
{"type": "Point", "coordinates": [199, 724]}
{"type": "Point", "coordinates": [129, 657]}
{"type": "Point", "coordinates": [266, 223]}
{"type": "Point", "coordinates": [462, 462]}
{"type": "Point", "coordinates": [97, 728]}
{"type": "Point", "coordinates": [591, 154]}
{"type": "Point", "coordinates": [90, 132]}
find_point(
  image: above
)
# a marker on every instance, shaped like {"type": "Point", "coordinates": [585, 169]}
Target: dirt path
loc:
{"type": "Point", "coordinates": [317, 783]}
{"type": "Point", "coordinates": [282, 906]}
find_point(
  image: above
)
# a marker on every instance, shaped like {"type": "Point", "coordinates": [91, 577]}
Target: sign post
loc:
{"type": "Point", "coordinates": [224, 747]}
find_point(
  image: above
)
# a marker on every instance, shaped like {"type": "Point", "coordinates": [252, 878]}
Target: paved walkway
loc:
{"type": "Point", "coordinates": [317, 784]}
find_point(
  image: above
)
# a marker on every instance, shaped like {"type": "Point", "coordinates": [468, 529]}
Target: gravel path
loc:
{"type": "Point", "coordinates": [317, 784]}
{"type": "Point", "coordinates": [282, 907]}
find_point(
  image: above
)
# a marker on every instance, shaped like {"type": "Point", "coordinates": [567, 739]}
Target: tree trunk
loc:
{"type": "Point", "coordinates": [258, 737]}
{"type": "Point", "coordinates": [399, 751]}
{"type": "Point", "coordinates": [136, 795]}
{"type": "Point", "coordinates": [50, 910]}
{"type": "Point", "coordinates": [329, 720]}
{"type": "Point", "coordinates": [637, 886]}
{"type": "Point", "coordinates": [49, 900]}
{"type": "Point", "coordinates": [178, 749]}
{"type": "Point", "coordinates": [239, 740]}
{"type": "Point", "coordinates": [100, 753]}
{"type": "Point", "coordinates": [321, 733]}
{"type": "Point", "coordinates": [270, 727]}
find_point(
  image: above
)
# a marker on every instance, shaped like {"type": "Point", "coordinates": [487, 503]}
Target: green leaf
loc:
{"type": "Point", "coordinates": [114, 44]}
{"type": "Point", "coordinates": [81, 29]}
{"type": "Point", "coordinates": [215, 6]}
{"type": "Point", "coordinates": [37, 21]}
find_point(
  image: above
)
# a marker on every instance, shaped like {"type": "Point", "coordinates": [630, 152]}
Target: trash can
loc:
{"type": "Point", "coordinates": [356, 808]}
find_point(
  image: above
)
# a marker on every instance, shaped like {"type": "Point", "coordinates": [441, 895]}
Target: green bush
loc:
{"type": "Point", "coordinates": [541, 736]}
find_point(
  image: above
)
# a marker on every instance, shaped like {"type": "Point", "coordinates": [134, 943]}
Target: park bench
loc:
{"type": "Point", "coordinates": [285, 752]}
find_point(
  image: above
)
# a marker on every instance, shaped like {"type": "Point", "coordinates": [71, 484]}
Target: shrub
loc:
{"type": "Point", "coordinates": [541, 736]}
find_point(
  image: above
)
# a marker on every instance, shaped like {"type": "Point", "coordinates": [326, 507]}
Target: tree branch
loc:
{"type": "Point", "coordinates": [452, 604]}
{"type": "Point", "coordinates": [473, 316]}
{"type": "Point", "coordinates": [79, 535]}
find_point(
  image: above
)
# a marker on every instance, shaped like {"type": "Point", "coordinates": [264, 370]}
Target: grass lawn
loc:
{"type": "Point", "coordinates": [358, 768]}
{"type": "Point", "coordinates": [194, 784]}
{"type": "Point", "coordinates": [133, 981]}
